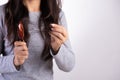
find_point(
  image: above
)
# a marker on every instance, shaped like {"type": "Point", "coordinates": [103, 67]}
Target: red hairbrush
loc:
{"type": "Point", "coordinates": [21, 31]}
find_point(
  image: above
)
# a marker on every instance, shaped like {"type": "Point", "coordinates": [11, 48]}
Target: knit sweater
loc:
{"type": "Point", "coordinates": [34, 67]}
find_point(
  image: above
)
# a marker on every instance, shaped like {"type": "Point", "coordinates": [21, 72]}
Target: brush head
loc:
{"type": "Point", "coordinates": [21, 31]}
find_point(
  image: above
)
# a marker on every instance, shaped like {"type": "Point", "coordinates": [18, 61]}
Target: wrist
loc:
{"type": "Point", "coordinates": [16, 64]}
{"type": "Point", "coordinates": [55, 51]}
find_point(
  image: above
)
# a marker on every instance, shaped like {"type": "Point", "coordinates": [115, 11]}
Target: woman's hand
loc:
{"type": "Point", "coordinates": [20, 52]}
{"type": "Point", "coordinates": [58, 36]}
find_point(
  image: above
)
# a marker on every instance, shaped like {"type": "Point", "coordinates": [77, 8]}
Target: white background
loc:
{"type": "Point", "coordinates": [94, 29]}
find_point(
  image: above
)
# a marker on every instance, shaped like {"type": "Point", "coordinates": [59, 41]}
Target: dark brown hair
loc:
{"type": "Point", "coordinates": [15, 11]}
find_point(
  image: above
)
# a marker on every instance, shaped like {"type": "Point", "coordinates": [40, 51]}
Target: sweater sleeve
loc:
{"type": "Point", "coordinates": [6, 62]}
{"type": "Point", "coordinates": [65, 58]}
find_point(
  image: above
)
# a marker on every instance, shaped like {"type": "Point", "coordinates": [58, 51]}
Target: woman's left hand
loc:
{"type": "Point", "coordinates": [58, 36]}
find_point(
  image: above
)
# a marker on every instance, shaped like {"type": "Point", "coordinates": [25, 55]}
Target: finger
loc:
{"type": "Point", "coordinates": [21, 61]}
{"type": "Point", "coordinates": [19, 43]}
{"type": "Point", "coordinates": [58, 28]}
{"type": "Point", "coordinates": [22, 57]}
{"type": "Point", "coordinates": [52, 38]}
{"type": "Point", "coordinates": [54, 25]}
{"type": "Point", "coordinates": [58, 35]}
{"type": "Point", "coordinates": [21, 48]}
{"type": "Point", "coordinates": [23, 53]}
{"type": "Point", "coordinates": [56, 39]}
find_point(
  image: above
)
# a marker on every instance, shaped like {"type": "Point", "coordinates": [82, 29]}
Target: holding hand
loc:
{"type": "Point", "coordinates": [58, 36]}
{"type": "Point", "coordinates": [20, 52]}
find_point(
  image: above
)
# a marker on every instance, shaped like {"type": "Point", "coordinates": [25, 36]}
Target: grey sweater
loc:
{"type": "Point", "coordinates": [34, 68]}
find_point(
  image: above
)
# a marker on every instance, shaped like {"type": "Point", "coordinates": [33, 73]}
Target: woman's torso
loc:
{"type": "Point", "coordinates": [34, 67]}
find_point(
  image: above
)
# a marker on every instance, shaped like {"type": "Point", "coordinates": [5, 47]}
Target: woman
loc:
{"type": "Point", "coordinates": [45, 39]}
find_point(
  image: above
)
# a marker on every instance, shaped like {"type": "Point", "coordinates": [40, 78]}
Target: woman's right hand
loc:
{"type": "Point", "coordinates": [20, 52]}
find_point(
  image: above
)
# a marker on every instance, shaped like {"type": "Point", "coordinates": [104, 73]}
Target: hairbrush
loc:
{"type": "Point", "coordinates": [20, 31]}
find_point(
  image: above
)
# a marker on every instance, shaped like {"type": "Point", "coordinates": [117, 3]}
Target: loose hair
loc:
{"type": "Point", "coordinates": [16, 11]}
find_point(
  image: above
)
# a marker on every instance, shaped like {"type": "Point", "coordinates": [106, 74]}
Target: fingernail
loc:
{"type": "Point", "coordinates": [52, 29]}
{"type": "Point", "coordinates": [53, 25]}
